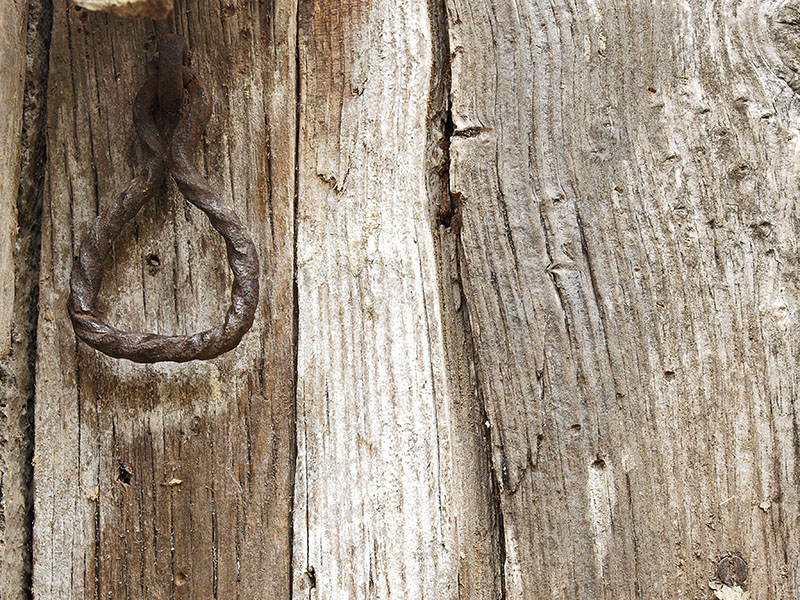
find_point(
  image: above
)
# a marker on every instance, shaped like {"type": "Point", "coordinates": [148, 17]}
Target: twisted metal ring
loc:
{"type": "Point", "coordinates": [87, 270]}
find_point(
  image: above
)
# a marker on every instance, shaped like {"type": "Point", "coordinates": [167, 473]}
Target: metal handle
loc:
{"type": "Point", "coordinates": [166, 87]}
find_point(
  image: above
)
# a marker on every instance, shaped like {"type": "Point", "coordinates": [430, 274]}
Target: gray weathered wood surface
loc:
{"type": "Point", "coordinates": [113, 438]}
{"type": "Point", "coordinates": [628, 183]}
{"type": "Point", "coordinates": [22, 66]}
{"type": "Point", "coordinates": [388, 446]}
{"type": "Point", "coordinates": [582, 387]}
{"type": "Point", "coordinates": [13, 484]}
{"type": "Point", "coordinates": [13, 23]}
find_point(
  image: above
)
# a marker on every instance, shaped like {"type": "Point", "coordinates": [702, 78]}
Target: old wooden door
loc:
{"type": "Point", "coordinates": [529, 316]}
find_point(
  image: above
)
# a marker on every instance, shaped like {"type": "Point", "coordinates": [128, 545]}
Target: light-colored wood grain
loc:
{"type": "Point", "coordinates": [138, 9]}
{"type": "Point", "coordinates": [628, 186]}
{"type": "Point", "coordinates": [111, 435]}
{"type": "Point", "coordinates": [13, 21]}
{"type": "Point", "coordinates": [391, 469]}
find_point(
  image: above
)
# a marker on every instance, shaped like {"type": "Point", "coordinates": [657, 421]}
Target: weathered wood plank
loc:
{"type": "Point", "coordinates": [628, 199]}
{"type": "Point", "coordinates": [392, 496]}
{"type": "Point", "coordinates": [23, 62]}
{"type": "Point", "coordinates": [112, 436]}
{"type": "Point", "coordinates": [624, 246]}
{"type": "Point", "coordinates": [13, 21]}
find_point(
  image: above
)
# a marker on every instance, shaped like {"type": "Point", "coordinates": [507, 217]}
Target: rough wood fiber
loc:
{"type": "Point", "coordinates": [167, 481]}
{"type": "Point", "coordinates": [13, 20]}
{"type": "Point", "coordinates": [154, 9]}
{"type": "Point", "coordinates": [628, 183]}
{"type": "Point", "coordinates": [18, 277]}
{"type": "Point", "coordinates": [474, 502]}
{"type": "Point", "coordinates": [390, 457]}
{"type": "Point", "coordinates": [611, 316]}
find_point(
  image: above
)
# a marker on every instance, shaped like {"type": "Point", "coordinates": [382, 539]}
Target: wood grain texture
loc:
{"type": "Point", "coordinates": [391, 470]}
{"type": "Point", "coordinates": [168, 481]}
{"type": "Point", "coordinates": [583, 386]}
{"type": "Point", "coordinates": [13, 22]}
{"type": "Point", "coordinates": [474, 501]}
{"type": "Point", "coordinates": [21, 60]}
{"type": "Point", "coordinates": [627, 177]}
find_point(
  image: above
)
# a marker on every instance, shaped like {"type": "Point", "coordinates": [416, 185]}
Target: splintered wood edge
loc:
{"type": "Point", "coordinates": [135, 9]}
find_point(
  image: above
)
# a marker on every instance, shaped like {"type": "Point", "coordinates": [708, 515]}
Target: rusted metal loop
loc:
{"type": "Point", "coordinates": [172, 57]}
{"type": "Point", "coordinates": [87, 271]}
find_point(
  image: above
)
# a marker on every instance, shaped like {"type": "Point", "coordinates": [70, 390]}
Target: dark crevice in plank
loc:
{"type": "Point", "coordinates": [295, 306]}
{"type": "Point", "coordinates": [17, 385]}
{"type": "Point", "coordinates": [448, 220]}
{"type": "Point", "coordinates": [495, 483]}
{"type": "Point", "coordinates": [441, 114]}
{"type": "Point", "coordinates": [448, 205]}
{"type": "Point", "coordinates": [96, 558]}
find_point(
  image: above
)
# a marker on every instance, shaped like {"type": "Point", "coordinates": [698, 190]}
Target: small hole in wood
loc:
{"type": "Point", "coordinates": [599, 464]}
{"type": "Point", "coordinates": [125, 474]}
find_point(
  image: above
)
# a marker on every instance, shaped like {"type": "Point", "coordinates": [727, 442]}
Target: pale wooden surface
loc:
{"type": "Point", "coordinates": [13, 21]}
{"type": "Point", "coordinates": [111, 435]}
{"type": "Point", "coordinates": [383, 435]}
{"type": "Point", "coordinates": [628, 182]}
{"type": "Point", "coordinates": [584, 387]}
{"type": "Point", "coordinates": [137, 9]}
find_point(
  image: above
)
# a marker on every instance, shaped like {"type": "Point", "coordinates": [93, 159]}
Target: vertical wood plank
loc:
{"type": "Point", "coordinates": [392, 489]}
{"type": "Point", "coordinates": [20, 177]}
{"type": "Point", "coordinates": [168, 481]}
{"type": "Point", "coordinates": [13, 23]}
{"type": "Point", "coordinates": [627, 179]}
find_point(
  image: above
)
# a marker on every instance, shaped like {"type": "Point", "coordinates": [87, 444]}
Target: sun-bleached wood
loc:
{"type": "Point", "coordinates": [154, 9]}
{"type": "Point", "coordinates": [167, 481]}
{"type": "Point", "coordinates": [390, 460]}
{"type": "Point", "coordinates": [13, 21]}
{"type": "Point", "coordinates": [628, 184]}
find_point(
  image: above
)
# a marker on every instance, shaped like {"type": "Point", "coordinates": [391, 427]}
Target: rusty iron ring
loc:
{"type": "Point", "coordinates": [87, 270]}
